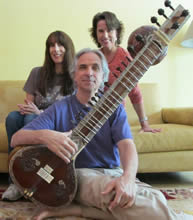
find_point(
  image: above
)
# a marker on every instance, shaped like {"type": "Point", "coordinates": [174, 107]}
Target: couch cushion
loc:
{"type": "Point", "coordinates": [173, 137]}
{"type": "Point", "coordinates": [11, 94]}
{"type": "Point", "coordinates": [3, 139]}
{"type": "Point", "coordinates": [3, 163]}
{"type": "Point", "coordinates": [179, 115]}
{"type": "Point", "coordinates": [165, 162]}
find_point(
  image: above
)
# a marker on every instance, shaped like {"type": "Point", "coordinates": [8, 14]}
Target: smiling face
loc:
{"type": "Point", "coordinates": [105, 37]}
{"type": "Point", "coordinates": [88, 75]}
{"type": "Point", "coordinates": [57, 52]}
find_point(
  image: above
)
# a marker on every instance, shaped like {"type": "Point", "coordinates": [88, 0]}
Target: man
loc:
{"type": "Point", "coordinates": [104, 190]}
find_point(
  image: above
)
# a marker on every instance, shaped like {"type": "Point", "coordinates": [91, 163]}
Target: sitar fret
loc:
{"type": "Point", "coordinates": [141, 73]}
{"type": "Point", "coordinates": [124, 85]}
{"type": "Point", "coordinates": [110, 105]}
{"type": "Point", "coordinates": [118, 95]}
{"type": "Point", "coordinates": [89, 124]}
{"type": "Point", "coordinates": [156, 46]}
{"type": "Point", "coordinates": [87, 128]}
{"type": "Point", "coordinates": [95, 120]}
{"type": "Point", "coordinates": [78, 134]}
{"type": "Point", "coordinates": [145, 67]}
{"type": "Point", "coordinates": [127, 81]}
{"type": "Point", "coordinates": [151, 53]}
{"type": "Point", "coordinates": [131, 74]}
{"type": "Point", "coordinates": [150, 62]}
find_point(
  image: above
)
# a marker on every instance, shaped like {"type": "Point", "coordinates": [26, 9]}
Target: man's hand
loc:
{"type": "Point", "coordinates": [61, 144]}
{"type": "Point", "coordinates": [125, 192]}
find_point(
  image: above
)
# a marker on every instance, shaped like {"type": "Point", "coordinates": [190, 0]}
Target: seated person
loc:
{"type": "Point", "coordinates": [106, 32]}
{"type": "Point", "coordinates": [44, 86]}
{"type": "Point", "coordinates": [105, 191]}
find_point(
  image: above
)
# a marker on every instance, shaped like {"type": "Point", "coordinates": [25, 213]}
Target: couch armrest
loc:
{"type": "Point", "coordinates": [178, 115]}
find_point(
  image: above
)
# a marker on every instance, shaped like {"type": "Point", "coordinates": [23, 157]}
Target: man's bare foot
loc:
{"type": "Point", "coordinates": [71, 210]}
{"type": "Point", "coordinates": [42, 215]}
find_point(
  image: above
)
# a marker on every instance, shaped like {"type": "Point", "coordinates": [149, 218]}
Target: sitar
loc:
{"type": "Point", "coordinates": [46, 179]}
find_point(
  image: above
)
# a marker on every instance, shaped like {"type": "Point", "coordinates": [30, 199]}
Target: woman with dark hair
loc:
{"type": "Point", "coordinates": [107, 33]}
{"type": "Point", "coordinates": [44, 86]}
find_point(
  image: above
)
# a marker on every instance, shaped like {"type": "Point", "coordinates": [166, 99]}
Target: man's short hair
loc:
{"type": "Point", "coordinates": [104, 64]}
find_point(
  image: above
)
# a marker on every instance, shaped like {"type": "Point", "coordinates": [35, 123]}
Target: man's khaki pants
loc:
{"type": "Point", "coordinates": [149, 204]}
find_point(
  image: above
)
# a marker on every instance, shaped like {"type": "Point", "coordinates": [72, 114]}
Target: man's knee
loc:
{"type": "Point", "coordinates": [91, 185]}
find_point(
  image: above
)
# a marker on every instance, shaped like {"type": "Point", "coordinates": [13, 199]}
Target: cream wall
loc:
{"type": "Point", "coordinates": [25, 25]}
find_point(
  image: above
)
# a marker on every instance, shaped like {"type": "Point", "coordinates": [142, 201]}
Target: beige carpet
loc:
{"type": "Point", "coordinates": [179, 199]}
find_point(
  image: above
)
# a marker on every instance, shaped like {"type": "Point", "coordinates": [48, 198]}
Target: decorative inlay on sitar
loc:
{"type": "Point", "coordinates": [45, 178]}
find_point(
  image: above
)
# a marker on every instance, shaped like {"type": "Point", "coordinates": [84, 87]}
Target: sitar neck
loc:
{"type": "Point", "coordinates": [114, 96]}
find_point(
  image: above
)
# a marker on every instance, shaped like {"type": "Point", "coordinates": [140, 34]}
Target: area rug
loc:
{"type": "Point", "coordinates": [179, 199]}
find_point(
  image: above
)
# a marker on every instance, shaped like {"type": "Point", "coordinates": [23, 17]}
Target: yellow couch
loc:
{"type": "Point", "coordinates": [168, 151]}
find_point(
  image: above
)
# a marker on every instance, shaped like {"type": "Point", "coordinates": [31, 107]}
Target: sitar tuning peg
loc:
{"type": "Point", "coordinates": [184, 13]}
{"type": "Point", "coordinates": [128, 57]}
{"type": "Point", "coordinates": [161, 12]}
{"type": "Point", "coordinates": [79, 116]}
{"type": "Point", "coordinates": [97, 95]}
{"type": "Point", "coordinates": [106, 84]}
{"type": "Point", "coordinates": [90, 103]}
{"type": "Point", "coordinates": [140, 38]}
{"type": "Point", "coordinates": [167, 3]}
{"type": "Point", "coordinates": [123, 64]}
{"type": "Point", "coordinates": [154, 21]}
{"type": "Point", "coordinates": [131, 50]}
{"type": "Point", "coordinates": [119, 69]}
{"type": "Point", "coordinates": [94, 99]}
{"type": "Point", "coordinates": [175, 26]}
{"type": "Point", "coordinates": [101, 91]}
{"type": "Point", "coordinates": [115, 75]}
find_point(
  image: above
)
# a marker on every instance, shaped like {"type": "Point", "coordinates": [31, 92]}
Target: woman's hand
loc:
{"type": "Point", "coordinates": [28, 108]}
{"type": "Point", "coordinates": [146, 128]}
{"type": "Point", "coordinates": [125, 192]}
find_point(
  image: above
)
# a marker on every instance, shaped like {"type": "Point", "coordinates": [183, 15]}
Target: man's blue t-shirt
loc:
{"type": "Point", "coordinates": [102, 150]}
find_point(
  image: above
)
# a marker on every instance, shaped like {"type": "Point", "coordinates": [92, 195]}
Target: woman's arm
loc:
{"type": "Point", "coordinates": [139, 109]}
{"type": "Point", "coordinates": [137, 101]}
